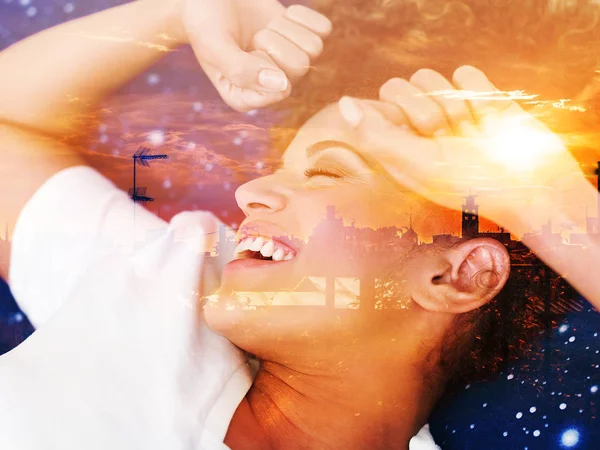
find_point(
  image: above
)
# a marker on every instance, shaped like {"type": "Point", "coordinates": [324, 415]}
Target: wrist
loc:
{"type": "Point", "coordinates": [173, 30]}
{"type": "Point", "coordinates": [561, 204]}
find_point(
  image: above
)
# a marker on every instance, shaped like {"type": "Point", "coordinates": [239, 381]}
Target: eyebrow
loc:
{"type": "Point", "coordinates": [324, 145]}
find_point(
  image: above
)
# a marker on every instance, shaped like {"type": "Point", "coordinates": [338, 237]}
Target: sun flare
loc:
{"type": "Point", "coordinates": [518, 143]}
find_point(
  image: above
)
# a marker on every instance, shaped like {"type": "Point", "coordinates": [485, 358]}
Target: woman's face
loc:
{"type": "Point", "coordinates": [319, 170]}
{"type": "Point", "coordinates": [291, 253]}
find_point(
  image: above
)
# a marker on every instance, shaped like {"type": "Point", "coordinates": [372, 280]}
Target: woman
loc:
{"type": "Point", "coordinates": [311, 359]}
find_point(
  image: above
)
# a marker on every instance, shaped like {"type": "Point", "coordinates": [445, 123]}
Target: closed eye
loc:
{"type": "Point", "coordinates": [309, 173]}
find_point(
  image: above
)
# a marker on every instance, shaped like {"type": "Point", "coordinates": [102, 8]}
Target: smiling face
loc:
{"type": "Point", "coordinates": [316, 229]}
{"type": "Point", "coordinates": [319, 170]}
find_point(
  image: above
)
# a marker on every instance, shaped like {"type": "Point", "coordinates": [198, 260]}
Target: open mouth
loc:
{"type": "Point", "coordinates": [263, 249]}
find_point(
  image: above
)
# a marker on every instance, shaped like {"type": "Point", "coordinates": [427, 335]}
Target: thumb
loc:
{"type": "Point", "coordinates": [244, 70]}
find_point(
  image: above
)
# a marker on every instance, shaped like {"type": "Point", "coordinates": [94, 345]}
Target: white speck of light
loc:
{"type": "Point", "coordinates": [252, 112]}
{"type": "Point", "coordinates": [510, 377]}
{"type": "Point", "coordinates": [24, 2]}
{"type": "Point", "coordinates": [532, 409]}
{"type": "Point", "coordinates": [484, 405]}
{"type": "Point", "coordinates": [505, 434]}
{"type": "Point", "coordinates": [536, 433]}
{"type": "Point", "coordinates": [595, 334]}
{"type": "Point", "coordinates": [259, 165]}
{"type": "Point", "coordinates": [31, 11]}
{"type": "Point", "coordinates": [467, 386]}
{"type": "Point", "coordinates": [562, 406]}
{"type": "Point", "coordinates": [570, 437]}
{"type": "Point", "coordinates": [69, 8]}
{"type": "Point", "coordinates": [472, 426]}
{"type": "Point", "coordinates": [519, 415]}
{"type": "Point", "coordinates": [191, 146]}
{"type": "Point", "coordinates": [572, 339]}
{"type": "Point", "coordinates": [153, 79]}
{"type": "Point", "coordinates": [208, 167]}
{"type": "Point", "coordinates": [157, 137]}
{"type": "Point", "coordinates": [197, 106]}
{"type": "Point", "coordinates": [594, 389]}
{"type": "Point", "coordinates": [167, 184]}
{"type": "Point", "coordinates": [563, 328]}
{"type": "Point", "coordinates": [237, 141]}
{"type": "Point", "coordinates": [18, 317]}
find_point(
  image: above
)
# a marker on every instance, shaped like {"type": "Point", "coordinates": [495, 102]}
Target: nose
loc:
{"type": "Point", "coordinates": [260, 195]}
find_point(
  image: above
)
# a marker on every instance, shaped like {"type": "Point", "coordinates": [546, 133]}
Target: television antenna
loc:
{"type": "Point", "coordinates": [142, 157]}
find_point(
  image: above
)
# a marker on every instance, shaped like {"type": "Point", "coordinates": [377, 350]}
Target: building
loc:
{"type": "Point", "coordinates": [470, 218]}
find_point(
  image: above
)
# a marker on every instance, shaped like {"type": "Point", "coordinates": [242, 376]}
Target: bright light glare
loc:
{"type": "Point", "coordinates": [518, 144]}
{"type": "Point", "coordinates": [569, 438]}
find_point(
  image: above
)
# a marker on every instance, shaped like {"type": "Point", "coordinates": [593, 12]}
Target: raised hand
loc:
{"type": "Point", "coordinates": [467, 136]}
{"type": "Point", "coordinates": [253, 51]}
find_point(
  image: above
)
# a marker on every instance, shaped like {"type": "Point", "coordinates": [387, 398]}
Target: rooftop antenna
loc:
{"type": "Point", "coordinates": [141, 157]}
{"type": "Point", "coordinates": [138, 194]}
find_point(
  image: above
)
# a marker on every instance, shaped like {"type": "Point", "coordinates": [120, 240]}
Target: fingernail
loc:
{"type": "Point", "coordinates": [351, 112]}
{"type": "Point", "coordinates": [273, 80]}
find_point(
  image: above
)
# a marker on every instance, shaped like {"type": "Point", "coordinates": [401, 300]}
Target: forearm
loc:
{"type": "Point", "coordinates": [575, 263]}
{"type": "Point", "coordinates": [51, 81]}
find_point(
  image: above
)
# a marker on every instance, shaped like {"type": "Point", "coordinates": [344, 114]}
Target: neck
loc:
{"type": "Point", "coordinates": [355, 402]}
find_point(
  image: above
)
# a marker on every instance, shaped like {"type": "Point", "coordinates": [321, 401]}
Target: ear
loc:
{"type": "Point", "coordinates": [463, 277]}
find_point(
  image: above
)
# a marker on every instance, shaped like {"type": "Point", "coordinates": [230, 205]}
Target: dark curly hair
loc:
{"type": "Point", "coordinates": [545, 47]}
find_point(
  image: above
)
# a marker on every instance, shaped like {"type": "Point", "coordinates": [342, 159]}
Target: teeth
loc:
{"type": "Point", "coordinates": [257, 244]}
{"type": "Point", "coordinates": [278, 255]}
{"type": "Point", "coordinates": [268, 249]}
{"type": "Point", "coordinates": [265, 246]}
{"type": "Point", "coordinates": [243, 245]}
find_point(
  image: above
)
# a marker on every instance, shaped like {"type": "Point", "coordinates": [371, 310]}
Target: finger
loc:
{"type": "Point", "coordinates": [310, 19]}
{"type": "Point", "coordinates": [424, 114]}
{"type": "Point", "coordinates": [440, 90]}
{"type": "Point", "coordinates": [289, 57]}
{"type": "Point", "coordinates": [391, 113]}
{"type": "Point", "coordinates": [241, 69]}
{"type": "Point", "coordinates": [308, 41]}
{"type": "Point", "coordinates": [481, 94]}
{"type": "Point", "coordinates": [241, 99]}
{"type": "Point", "coordinates": [382, 142]}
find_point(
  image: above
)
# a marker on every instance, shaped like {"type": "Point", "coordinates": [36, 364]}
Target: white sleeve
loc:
{"type": "Point", "coordinates": [423, 440]}
{"type": "Point", "coordinates": [76, 216]}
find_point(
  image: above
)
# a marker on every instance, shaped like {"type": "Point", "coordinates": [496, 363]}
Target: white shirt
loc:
{"type": "Point", "coordinates": [76, 247]}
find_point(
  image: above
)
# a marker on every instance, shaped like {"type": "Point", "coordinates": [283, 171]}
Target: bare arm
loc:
{"type": "Point", "coordinates": [52, 80]}
{"type": "Point", "coordinates": [526, 182]}
{"type": "Point", "coordinates": [51, 83]}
